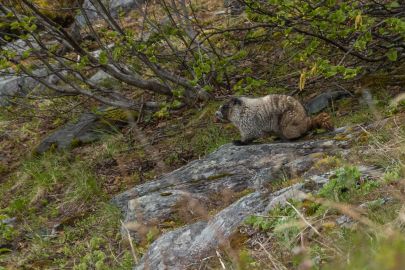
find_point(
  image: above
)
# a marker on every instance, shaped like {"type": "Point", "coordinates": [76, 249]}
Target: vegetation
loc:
{"type": "Point", "coordinates": [169, 66]}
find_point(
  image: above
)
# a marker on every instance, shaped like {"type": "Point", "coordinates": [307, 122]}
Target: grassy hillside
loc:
{"type": "Point", "coordinates": [63, 217]}
{"type": "Point", "coordinates": [55, 210]}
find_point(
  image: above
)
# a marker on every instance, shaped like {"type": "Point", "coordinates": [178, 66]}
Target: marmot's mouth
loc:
{"type": "Point", "coordinates": [219, 118]}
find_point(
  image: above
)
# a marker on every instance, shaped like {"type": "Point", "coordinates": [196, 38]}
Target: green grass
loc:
{"type": "Point", "coordinates": [60, 189]}
{"type": "Point", "coordinates": [201, 135]}
{"type": "Point", "coordinates": [53, 170]}
{"type": "Point", "coordinates": [370, 251]}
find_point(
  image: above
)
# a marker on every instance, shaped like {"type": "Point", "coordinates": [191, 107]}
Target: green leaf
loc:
{"type": "Point", "coordinates": [393, 5]}
{"type": "Point", "coordinates": [26, 54]}
{"type": "Point", "coordinates": [103, 59]}
{"type": "Point", "coordinates": [392, 54]}
{"type": "Point", "coordinates": [4, 250]}
{"type": "Point", "coordinates": [117, 53]}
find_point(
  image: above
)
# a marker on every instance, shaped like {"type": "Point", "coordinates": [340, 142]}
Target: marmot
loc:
{"type": "Point", "coordinates": [279, 115]}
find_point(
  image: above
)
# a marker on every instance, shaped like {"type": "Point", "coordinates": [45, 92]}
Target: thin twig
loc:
{"type": "Point", "coordinates": [220, 259]}
{"type": "Point", "coordinates": [130, 243]}
{"type": "Point", "coordinates": [303, 218]}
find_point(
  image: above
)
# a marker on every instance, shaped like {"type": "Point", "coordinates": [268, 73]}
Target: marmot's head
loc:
{"type": "Point", "coordinates": [226, 110]}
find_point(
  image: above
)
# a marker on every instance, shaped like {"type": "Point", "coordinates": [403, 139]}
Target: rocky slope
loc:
{"type": "Point", "coordinates": [202, 183]}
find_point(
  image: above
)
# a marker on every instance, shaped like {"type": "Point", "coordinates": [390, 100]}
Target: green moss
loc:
{"type": "Point", "coordinates": [115, 114]}
{"type": "Point", "coordinates": [219, 176]}
{"type": "Point", "coordinates": [75, 143]}
{"type": "Point", "coordinates": [3, 169]}
{"type": "Point", "coordinates": [244, 192]}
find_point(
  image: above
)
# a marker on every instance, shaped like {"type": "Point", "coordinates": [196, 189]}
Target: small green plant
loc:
{"type": "Point", "coordinates": [17, 206]}
{"type": "Point", "coordinates": [345, 183]}
{"type": "Point", "coordinates": [245, 261]}
{"type": "Point", "coordinates": [370, 252]}
{"type": "Point", "coordinates": [259, 222]}
{"type": "Point", "coordinates": [7, 232]}
{"type": "Point", "coordinates": [393, 173]}
{"type": "Point", "coordinates": [338, 187]}
{"type": "Point", "coordinates": [283, 221]}
{"type": "Point", "coordinates": [151, 235]}
{"type": "Point", "coordinates": [248, 85]}
{"type": "Point", "coordinates": [95, 257]}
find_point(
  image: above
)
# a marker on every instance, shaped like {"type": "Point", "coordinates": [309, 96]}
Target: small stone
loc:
{"type": "Point", "coordinates": [344, 221]}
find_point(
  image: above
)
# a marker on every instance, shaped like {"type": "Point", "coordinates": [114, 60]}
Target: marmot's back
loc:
{"type": "Point", "coordinates": [279, 115]}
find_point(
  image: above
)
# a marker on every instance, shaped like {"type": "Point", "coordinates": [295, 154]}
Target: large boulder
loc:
{"type": "Point", "coordinates": [235, 168]}
{"type": "Point", "coordinates": [186, 247]}
{"type": "Point", "coordinates": [247, 172]}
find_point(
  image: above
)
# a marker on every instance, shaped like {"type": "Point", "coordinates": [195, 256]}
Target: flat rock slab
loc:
{"type": "Point", "coordinates": [88, 128]}
{"type": "Point", "coordinates": [247, 169]}
{"type": "Point", "coordinates": [235, 168]}
{"type": "Point", "coordinates": [184, 248]}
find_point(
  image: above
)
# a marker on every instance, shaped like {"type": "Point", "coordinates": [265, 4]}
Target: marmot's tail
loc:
{"type": "Point", "coordinates": [322, 120]}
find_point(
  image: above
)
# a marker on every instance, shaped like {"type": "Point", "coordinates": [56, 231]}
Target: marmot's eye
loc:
{"type": "Point", "coordinates": [236, 101]}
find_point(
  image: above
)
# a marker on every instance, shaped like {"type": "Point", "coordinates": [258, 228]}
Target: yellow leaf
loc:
{"type": "Point", "coordinates": [329, 225]}
{"type": "Point", "coordinates": [314, 69]}
{"type": "Point", "coordinates": [303, 78]}
{"type": "Point", "coordinates": [358, 21]}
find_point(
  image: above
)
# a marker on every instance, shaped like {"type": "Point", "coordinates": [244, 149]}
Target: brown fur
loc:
{"type": "Point", "coordinates": [279, 115]}
{"type": "Point", "coordinates": [321, 120]}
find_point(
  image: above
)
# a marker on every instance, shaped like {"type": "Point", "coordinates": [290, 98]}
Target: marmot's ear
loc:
{"type": "Point", "coordinates": [236, 101]}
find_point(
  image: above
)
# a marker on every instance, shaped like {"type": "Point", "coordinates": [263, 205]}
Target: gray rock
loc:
{"type": "Point", "coordinates": [101, 77]}
{"type": "Point", "coordinates": [375, 203]}
{"type": "Point", "coordinates": [114, 6]}
{"type": "Point", "coordinates": [235, 7]}
{"type": "Point", "coordinates": [235, 168]}
{"type": "Point", "coordinates": [19, 46]}
{"type": "Point", "coordinates": [149, 210]}
{"type": "Point", "coordinates": [323, 100]}
{"type": "Point", "coordinates": [345, 221]}
{"type": "Point", "coordinates": [184, 248]}
{"type": "Point", "coordinates": [230, 168]}
{"type": "Point", "coordinates": [91, 12]}
{"type": "Point", "coordinates": [9, 221]}
{"type": "Point", "coordinates": [87, 129]}
{"type": "Point", "coordinates": [124, 5]}
{"type": "Point", "coordinates": [12, 86]}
